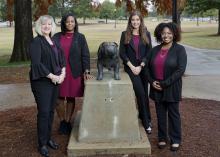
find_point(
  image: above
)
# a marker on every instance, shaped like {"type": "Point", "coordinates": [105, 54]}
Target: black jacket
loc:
{"type": "Point", "coordinates": [79, 57]}
{"type": "Point", "coordinates": [44, 60]}
{"type": "Point", "coordinates": [174, 69]}
{"type": "Point", "coordinates": [127, 51]}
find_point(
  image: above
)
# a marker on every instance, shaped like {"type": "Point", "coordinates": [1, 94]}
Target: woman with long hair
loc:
{"type": "Point", "coordinates": [76, 52]}
{"type": "Point", "coordinates": [135, 44]}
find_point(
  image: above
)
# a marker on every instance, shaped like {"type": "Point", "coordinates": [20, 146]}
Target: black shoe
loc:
{"type": "Point", "coordinates": [69, 127]}
{"type": "Point", "coordinates": [174, 147]}
{"type": "Point", "coordinates": [43, 151]}
{"type": "Point", "coordinates": [63, 127]}
{"type": "Point", "coordinates": [52, 144]}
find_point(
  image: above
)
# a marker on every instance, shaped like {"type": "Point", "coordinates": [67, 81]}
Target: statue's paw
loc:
{"type": "Point", "coordinates": [99, 77]}
{"type": "Point", "coordinates": [117, 77]}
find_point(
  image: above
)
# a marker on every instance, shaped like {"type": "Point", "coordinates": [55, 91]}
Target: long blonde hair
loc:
{"type": "Point", "coordinates": [142, 29]}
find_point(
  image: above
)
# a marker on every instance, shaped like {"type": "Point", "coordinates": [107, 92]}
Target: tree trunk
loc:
{"type": "Point", "coordinates": [23, 31]}
{"type": "Point", "coordinates": [218, 22]}
{"type": "Point", "coordinates": [197, 20]}
{"type": "Point", "coordinates": [179, 20]}
{"type": "Point", "coordinates": [174, 12]}
{"type": "Point", "coordinates": [84, 20]}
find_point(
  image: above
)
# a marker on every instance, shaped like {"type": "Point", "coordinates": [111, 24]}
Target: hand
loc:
{"type": "Point", "coordinates": [61, 78]}
{"type": "Point", "coordinates": [157, 86]}
{"type": "Point", "coordinates": [88, 76]}
{"type": "Point", "coordinates": [136, 70]}
{"type": "Point", "coordinates": [55, 79]}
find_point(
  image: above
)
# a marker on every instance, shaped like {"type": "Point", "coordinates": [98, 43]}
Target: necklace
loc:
{"type": "Point", "coordinates": [163, 52]}
{"type": "Point", "coordinates": [68, 35]}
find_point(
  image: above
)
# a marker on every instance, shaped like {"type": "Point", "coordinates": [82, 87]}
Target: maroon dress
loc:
{"type": "Point", "coordinates": [71, 87]}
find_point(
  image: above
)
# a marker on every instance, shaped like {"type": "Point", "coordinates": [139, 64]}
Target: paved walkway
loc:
{"type": "Point", "coordinates": [202, 80]}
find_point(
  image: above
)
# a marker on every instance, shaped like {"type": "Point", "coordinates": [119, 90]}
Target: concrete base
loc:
{"type": "Point", "coordinates": [76, 148]}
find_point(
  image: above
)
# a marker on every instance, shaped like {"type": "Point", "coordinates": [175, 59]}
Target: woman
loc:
{"type": "Point", "coordinates": [77, 57]}
{"type": "Point", "coordinates": [47, 71]}
{"type": "Point", "coordinates": [135, 44]}
{"type": "Point", "coordinates": [167, 64]}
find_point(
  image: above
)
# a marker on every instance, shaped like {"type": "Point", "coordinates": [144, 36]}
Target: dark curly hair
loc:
{"type": "Point", "coordinates": [63, 23]}
{"type": "Point", "coordinates": [172, 27]}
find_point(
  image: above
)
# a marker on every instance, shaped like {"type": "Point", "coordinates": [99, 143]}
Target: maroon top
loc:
{"type": "Point", "coordinates": [159, 62]}
{"type": "Point", "coordinates": [136, 40]}
{"type": "Point", "coordinates": [71, 87]}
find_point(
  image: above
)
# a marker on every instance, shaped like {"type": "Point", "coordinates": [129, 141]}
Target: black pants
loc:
{"type": "Point", "coordinates": [45, 93]}
{"type": "Point", "coordinates": [140, 86]}
{"type": "Point", "coordinates": [170, 111]}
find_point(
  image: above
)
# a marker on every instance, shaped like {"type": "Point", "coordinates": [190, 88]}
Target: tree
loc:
{"type": "Point", "coordinates": [61, 7]}
{"type": "Point", "coordinates": [107, 11]}
{"type": "Point", "coordinates": [83, 9]}
{"type": "Point", "coordinates": [10, 15]}
{"type": "Point", "coordinates": [200, 6]}
{"type": "Point", "coordinates": [23, 24]}
{"type": "Point", "coordinates": [23, 30]}
{"type": "Point", "coordinates": [163, 7]}
{"type": "Point", "coordinates": [41, 7]}
{"type": "Point", "coordinates": [3, 10]}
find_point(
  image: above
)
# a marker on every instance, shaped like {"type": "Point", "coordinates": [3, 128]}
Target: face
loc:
{"type": "Point", "coordinates": [70, 23]}
{"type": "Point", "coordinates": [167, 36]}
{"type": "Point", "coordinates": [46, 27]}
{"type": "Point", "coordinates": [135, 22]}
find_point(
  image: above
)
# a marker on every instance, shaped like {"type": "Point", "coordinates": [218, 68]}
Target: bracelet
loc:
{"type": "Point", "coordinates": [87, 72]}
{"type": "Point", "coordinates": [142, 66]}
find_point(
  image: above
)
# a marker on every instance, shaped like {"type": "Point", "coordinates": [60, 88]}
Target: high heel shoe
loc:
{"type": "Point", "coordinates": [161, 144]}
{"type": "Point", "coordinates": [174, 147]}
{"type": "Point", "coordinates": [148, 130]}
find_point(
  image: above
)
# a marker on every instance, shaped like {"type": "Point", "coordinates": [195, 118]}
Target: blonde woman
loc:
{"type": "Point", "coordinates": [47, 72]}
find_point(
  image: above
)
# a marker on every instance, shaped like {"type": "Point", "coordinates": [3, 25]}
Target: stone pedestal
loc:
{"type": "Point", "coordinates": [108, 123]}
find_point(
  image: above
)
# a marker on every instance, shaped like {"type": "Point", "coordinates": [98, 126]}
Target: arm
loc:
{"type": "Point", "coordinates": [122, 50]}
{"type": "Point", "coordinates": [38, 70]}
{"type": "Point", "coordinates": [148, 48]}
{"type": "Point", "coordinates": [85, 55]}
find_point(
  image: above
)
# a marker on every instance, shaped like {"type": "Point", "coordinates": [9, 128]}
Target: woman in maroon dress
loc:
{"type": "Point", "coordinates": [77, 56]}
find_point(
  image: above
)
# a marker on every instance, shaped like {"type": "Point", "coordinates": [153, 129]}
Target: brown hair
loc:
{"type": "Point", "coordinates": [142, 29]}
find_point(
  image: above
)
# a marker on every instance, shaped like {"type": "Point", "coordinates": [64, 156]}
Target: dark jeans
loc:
{"type": "Point", "coordinates": [170, 111]}
{"type": "Point", "coordinates": [140, 86]}
{"type": "Point", "coordinates": [45, 93]}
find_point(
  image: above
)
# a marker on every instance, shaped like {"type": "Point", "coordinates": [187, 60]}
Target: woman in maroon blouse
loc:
{"type": "Point", "coordinates": [167, 64]}
{"type": "Point", "coordinates": [135, 44]}
{"type": "Point", "coordinates": [77, 56]}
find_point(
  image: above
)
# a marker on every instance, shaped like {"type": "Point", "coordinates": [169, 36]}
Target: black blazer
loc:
{"type": "Point", "coordinates": [174, 69]}
{"type": "Point", "coordinates": [44, 60]}
{"type": "Point", "coordinates": [127, 51]}
{"type": "Point", "coordinates": [79, 58]}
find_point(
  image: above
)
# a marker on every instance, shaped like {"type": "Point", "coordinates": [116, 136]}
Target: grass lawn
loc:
{"type": "Point", "coordinates": [202, 36]}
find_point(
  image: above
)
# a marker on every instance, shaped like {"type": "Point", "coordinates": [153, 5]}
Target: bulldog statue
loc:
{"type": "Point", "coordinates": [108, 57]}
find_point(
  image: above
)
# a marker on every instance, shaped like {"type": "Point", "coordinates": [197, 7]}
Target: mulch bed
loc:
{"type": "Point", "coordinates": [200, 127]}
